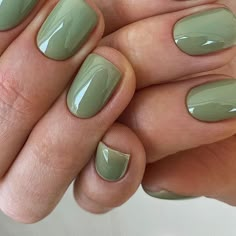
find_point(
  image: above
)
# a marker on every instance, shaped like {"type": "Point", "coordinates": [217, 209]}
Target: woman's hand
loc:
{"type": "Point", "coordinates": [46, 145]}
{"type": "Point", "coordinates": [199, 148]}
{"type": "Point", "coordinates": [199, 128]}
{"type": "Point", "coordinates": [50, 128]}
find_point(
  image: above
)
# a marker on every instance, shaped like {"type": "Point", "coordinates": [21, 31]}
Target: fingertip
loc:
{"type": "Point", "coordinates": [88, 204]}
{"type": "Point", "coordinates": [111, 187]}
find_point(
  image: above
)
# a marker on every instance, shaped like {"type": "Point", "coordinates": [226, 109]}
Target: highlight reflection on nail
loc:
{"type": "Point", "coordinates": [66, 29]}
{"type": "Point", "coordinates": [206, 32]}
{"type": "Point", "coordinates": [213, 101]}
{"type": "Point", "coordinates": [93, 86]}
{"type": "Point", "coordinates": [111, 164]}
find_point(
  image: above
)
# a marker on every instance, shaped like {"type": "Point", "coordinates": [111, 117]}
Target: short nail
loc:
{"type": "Point", "coordinates": [111, 164]}
{"type": "Point", "coordinates": [66, 29]}
{"type": "Point", "coordinates": [166, 195]}
{"type": "Point", "coordinates": [13, 12]}
{"type": "Point", "coordinates": [206, 32]}
{"type": "Point", "coordinates": [93, 86]}
{"type": "Point", "coordinates": [214, 101]}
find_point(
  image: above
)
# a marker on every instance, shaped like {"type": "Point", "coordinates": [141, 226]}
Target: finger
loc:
{"type": "Point", "coordinates": [149, 43]}
{"type": "Point", "coordinates": [61, 143]}
{"type": "Point", "coordinates": [116, 174]}
{"type": "Point", "coordinates": [205, 171]}
{"type": "Point", "coordinates": [170, 118]}
{"type": "Point", "coordinates": [14, 18]}
{"type": "Point", "coordinates": [120, 13]}
{"type": "Point", "coordinates": [29, 87]}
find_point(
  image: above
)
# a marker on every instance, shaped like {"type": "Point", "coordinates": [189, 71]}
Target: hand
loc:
{"type": "Point", "coordinates": [49, 128]}
{"type": "Point", "coordinates": [49, 161]}
{"type": "Point", "coordinates": [204, 164]}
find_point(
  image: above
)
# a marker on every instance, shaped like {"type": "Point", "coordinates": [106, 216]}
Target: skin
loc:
{"type": "Point", "coordinates": [50, 159]}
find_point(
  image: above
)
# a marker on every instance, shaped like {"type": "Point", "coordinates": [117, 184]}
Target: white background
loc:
{"type": "Point", "coordinates": [141, 216]}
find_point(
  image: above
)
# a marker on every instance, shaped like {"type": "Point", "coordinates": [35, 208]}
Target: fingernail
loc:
{"type": "Point", "coordinates": [166, 195]}
{"type": "Point", "coordinates": [110, 164]}
{"type": "Point", "coordinates": [206, 32]}
{"type": "Point", "coordinates": [214, 101]}
{"type": "Point", "coordinates": [12, 13]}
{"type": "Point", "coordinates": [93, 86]}
{"type": "Point", "coordinates": [66, 29]}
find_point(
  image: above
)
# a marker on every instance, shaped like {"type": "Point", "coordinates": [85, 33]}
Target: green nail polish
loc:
{"type": "Point", "coordinates": [206, 32]}
{"type": "Point", "coordinates": [13, 12]}
{"type": "Point", "coordinates": [166, 195]}
{"type": "Point", "coordinates": [93, 86]}
{"type": "Point", "coordinates": [66, 29]}
{"type": "Point", "coordinates": [214, 101]}
{"type": "Point", "coordinates": [110, 164]}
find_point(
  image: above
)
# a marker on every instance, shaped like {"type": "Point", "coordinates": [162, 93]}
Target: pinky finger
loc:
{"type": "Point", "coordinates": [114, 175]}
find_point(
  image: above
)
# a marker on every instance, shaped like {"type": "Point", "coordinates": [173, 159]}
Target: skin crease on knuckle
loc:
{"type": "Point", "coordinates": [13, 102]}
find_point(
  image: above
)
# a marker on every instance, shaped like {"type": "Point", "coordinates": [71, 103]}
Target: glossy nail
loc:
{"type": "Point", "coordinates": [213, 101]}
{"type": "Point", "coordinates": [93, 86]}
{"type": "Point", "coordinates": [66, 29]}
{"type": "Point", "coordinates": [110, 164]}
{"type": "Point", "coordinates": [206, 32]}
{"type": "Point", "coordinates": [13, 12]}
{"type": "Point", "coordinates": [166, 195]}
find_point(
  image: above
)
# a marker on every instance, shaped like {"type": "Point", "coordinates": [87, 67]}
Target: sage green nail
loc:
{"type": "Point", "coordinates": [110, 164]}
{"type": "Point", "coordinates": [206, 32]}
{"type": "Point", "coordinates": [214, 101]}
{"type": "Point", "coordinates": [13, 12]}
{"type": "Point", "coordinates": [93, 86]}
{"type": "Point", "coordinates": [66, 29]}
{"type": "Point", "coordinates": [166, 195]}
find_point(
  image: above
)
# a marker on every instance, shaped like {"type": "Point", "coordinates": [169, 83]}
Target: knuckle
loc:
{"type": "Point", "coordinates": [12, 96]}
{"type": "Point", "coordinates": [53, 154]}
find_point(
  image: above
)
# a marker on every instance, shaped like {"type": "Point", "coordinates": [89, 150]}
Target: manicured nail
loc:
{"type": "Point", "coordinates": [214, 101]}
{"type": "Point", "coordinates": [110, 164]}
{"type": "Point", "coordinates": [166, 195]}
{"type": "Point", "coordinates": [93, 86]}
{"type": "Point", "coordinates": [206, 32]}
{"type": "Point", "coordinates": [13, 12]}
{"type": "Point", "coordinates": [66, 29]}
